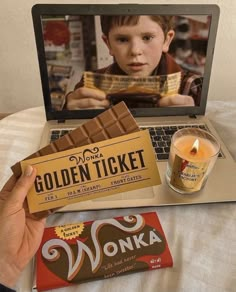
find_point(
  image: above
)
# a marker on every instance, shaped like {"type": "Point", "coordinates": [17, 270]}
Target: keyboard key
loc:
{"type": "Point", "coordinates": [167, 149]}
{"type": "Point", "coordinates": [169, 132]}
{"type": "Point", "coordinates": [159, 150]}
{"type": "Point", "coordinates": [162, 156]}
{"type": "Point", "coordinates": [161, 144]}
{"type": "Point", "coordinates": [63, 132]}
{"type": "Point", "coordinates": [55, 132]}
{"type": "Point", "coordinates": [54, 137]}
{"type": "Point", "coordinates": [157, 138]}
{"type": "Point", "coordinates": [160, 132]}
{"type": "Point", "coordinates": [166, 138]}
{"type": "Point", "coordinates": [154, 144]}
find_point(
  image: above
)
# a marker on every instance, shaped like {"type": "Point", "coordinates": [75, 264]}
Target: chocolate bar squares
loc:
{"type": "Point", "coordinates": [114, 122]}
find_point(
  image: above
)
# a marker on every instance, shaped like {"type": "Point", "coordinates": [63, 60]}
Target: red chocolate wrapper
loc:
{"type": "Point", "coordinates": [100, 249]}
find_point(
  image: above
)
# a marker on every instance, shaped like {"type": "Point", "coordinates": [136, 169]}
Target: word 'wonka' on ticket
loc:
{"type": "Point", "coordinates": [105, 168]}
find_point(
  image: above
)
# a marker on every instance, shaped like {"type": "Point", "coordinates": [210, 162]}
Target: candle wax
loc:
{"type": "Point", "coordinates": [183, 146]}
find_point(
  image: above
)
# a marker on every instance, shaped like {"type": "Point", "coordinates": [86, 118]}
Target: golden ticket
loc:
{"type": "Point", "coordinates": [163, 84]}
{"type": "Point", "coordinates": [105, 168]}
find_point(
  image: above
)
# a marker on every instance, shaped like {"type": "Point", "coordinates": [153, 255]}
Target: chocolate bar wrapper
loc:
{"type": "Point", "coordinates": [101, 249]}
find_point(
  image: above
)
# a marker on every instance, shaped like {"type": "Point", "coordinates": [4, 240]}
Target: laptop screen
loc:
{"type": "Point", "coordinates": [155, 58]}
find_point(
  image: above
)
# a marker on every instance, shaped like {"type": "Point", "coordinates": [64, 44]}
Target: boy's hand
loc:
{"type": "Point", "coordinates": [176, 100]}
{"type": "Point", "coordinates": [20, 236]}
{"type": "Point", "coordinates": [87, 98]}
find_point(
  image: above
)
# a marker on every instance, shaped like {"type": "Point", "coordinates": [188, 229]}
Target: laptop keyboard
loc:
{"type": "Point", "coordinates": [58, 133]}
{"type": "Point", "coordinates": [160, 136]}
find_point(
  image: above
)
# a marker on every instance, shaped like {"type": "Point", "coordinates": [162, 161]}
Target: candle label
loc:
{"type": "Point", "coordinates": [187, 175]}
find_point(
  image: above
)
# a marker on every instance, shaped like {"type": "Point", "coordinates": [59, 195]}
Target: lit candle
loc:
{"type": "Point", "coordinates": [196, 149]}
{"type": "Point", "coordinates": [192, 155]}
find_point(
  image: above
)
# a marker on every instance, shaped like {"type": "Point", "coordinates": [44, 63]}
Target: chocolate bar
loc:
{"type": "Point", "coordinates": [101, 249]}
{"type": "Point", "coordinates": [114, 122]}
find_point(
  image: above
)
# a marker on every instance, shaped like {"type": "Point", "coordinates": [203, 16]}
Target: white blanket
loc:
{"type": "Point", "coordinates": [202, 238]}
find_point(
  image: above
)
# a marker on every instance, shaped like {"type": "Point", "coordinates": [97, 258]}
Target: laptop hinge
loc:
{"type": "Point", "coordinates": [192, 116]}
{"type": "Point", "coordinates": [61, 121]}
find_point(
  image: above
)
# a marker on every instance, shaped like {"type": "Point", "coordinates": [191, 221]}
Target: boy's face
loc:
{"type": "Point", "coordinates": [138, 48]}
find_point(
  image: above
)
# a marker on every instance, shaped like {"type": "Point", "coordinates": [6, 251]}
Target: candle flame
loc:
{"type": "Point", "coordinates": [195, 147]}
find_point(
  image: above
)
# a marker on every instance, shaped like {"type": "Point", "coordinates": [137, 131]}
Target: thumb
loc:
{"type": "Point", "coordinates": [22, 186]}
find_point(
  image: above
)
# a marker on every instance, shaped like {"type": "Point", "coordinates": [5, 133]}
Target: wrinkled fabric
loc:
{"type": "Point", "coordinates": [201, 238]}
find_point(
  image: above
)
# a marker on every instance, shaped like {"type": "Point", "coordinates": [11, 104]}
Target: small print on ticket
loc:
{"type": "Point", "coordinates": [105, 168]}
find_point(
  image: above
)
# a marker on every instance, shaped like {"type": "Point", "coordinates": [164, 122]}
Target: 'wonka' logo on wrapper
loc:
{"type": "Point", "coordinates": [104, 248]}
{"type": "Point", "coordinates": [105, 168]}
{"type": "Point", "coordinates": [110, 248]}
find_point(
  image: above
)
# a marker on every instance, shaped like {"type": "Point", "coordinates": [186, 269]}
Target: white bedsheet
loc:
{"type": "Point", "coordinates": [202, 238]}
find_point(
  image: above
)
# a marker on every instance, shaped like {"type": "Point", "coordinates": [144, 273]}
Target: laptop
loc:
{"type": "Point", "coordinates": [69, 42]}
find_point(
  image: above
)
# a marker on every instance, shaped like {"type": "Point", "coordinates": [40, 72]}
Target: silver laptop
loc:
{"type": "Point", "coordinates": [69, 42]}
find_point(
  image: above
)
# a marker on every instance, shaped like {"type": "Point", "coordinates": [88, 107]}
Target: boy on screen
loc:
{"type": "Point", "coordinates": [139, 46]}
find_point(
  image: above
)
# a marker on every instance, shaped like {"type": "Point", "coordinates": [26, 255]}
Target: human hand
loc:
{"type": "Point", "coordinates": [86, 98]}
{"type": "Point", "coordinates": [20, 235]}
{"type": "Point", "coordinates": [176, 100]}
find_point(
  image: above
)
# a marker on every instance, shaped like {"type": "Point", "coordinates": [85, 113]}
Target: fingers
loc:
{"type": "Point", "coordinates": [87, 98]}
{"type": "Point", "coordinates": [91, 103]}
{"type": "Point", "coordinates": [9, 184]}
{"type": "Point", "coordinates": [176, 100]}
{"type": "Point", "coordinates": [97, 94]}
{"type": "Point", "coordinates": [23, 185]}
